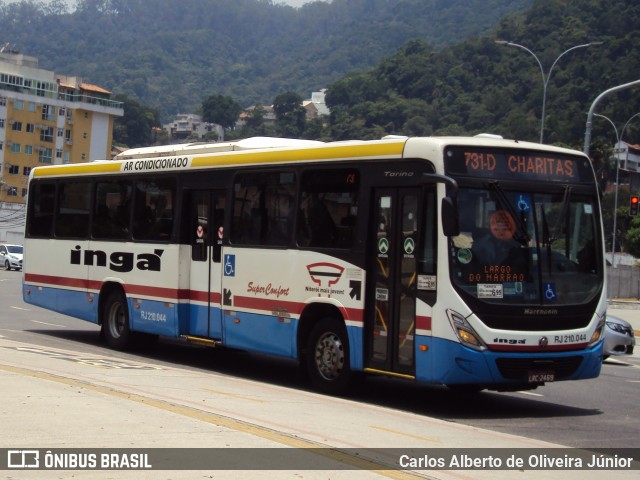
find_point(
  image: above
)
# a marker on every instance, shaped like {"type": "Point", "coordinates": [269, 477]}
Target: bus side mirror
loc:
{"type": "Point", "coordinates": [449, 214]}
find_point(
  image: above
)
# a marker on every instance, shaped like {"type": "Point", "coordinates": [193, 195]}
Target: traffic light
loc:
{"type": "Point", "coordinates": [633, 205]}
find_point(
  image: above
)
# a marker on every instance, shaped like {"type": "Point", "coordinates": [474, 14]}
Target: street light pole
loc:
{"type": "Point", "coordinates": [547, 76]}
{"type": "Point", "coordinates": [587, 133]}
{"type": "Point", "coordinates": [615, 197]}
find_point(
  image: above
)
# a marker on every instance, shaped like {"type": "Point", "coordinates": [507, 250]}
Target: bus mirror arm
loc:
{"type": "Point", "coordinates": [449, 209]}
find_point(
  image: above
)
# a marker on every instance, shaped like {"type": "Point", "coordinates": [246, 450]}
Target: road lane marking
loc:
{"type": "Point", "coordinates": [232, 395]}
{"type": "Point", "coordinates": [396, 432]}
{"type": "Point", "coordinates": [530, 393]}
{"type": "Point", "coordinates": [331, 453]}
{"type": "Point", "coordinates": [20, 308]}
{"type": "Point", "coordinates": [49, 324]}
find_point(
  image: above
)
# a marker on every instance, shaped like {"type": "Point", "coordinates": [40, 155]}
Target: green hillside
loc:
{"type": "Point", "coordinates": [171, 54]}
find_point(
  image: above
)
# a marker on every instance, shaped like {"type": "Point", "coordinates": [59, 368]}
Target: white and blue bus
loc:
{"type": "Point", "coordinates": [469, 262]}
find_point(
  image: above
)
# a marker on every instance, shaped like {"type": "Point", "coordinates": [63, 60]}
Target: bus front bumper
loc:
{"type": "Point", "coordinates": [450, 363]}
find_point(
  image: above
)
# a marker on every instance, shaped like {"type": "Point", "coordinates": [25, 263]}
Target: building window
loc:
{"type": "Point", "coordinates": [31, 107]}
{"type": "Point", "coordinates": [3, 101]}
{"type": "Point", "coordinates": [24, 192]}
{"type": "Point", "coordinates": [28, 150]}
{"type": "Point", "coordinates": [18, 104]}
{"type": "Point", "coordinates": [16, 148]}
{"type": "Point", "coordinates": [31, 128]}
{"type": "Point", "coordinates": [26, 171]}
{"type": "Point", "coordinates": [16, 126]}
{"type": "Point", "coordinates": [66, 158]}
{"type": "Point", "coordinates": [58, 154]}
{"type": "Point", "coordinates": [13, 192]}
{"type": "Point", "coordinates": [13, 169]}
{"type": "Point", "coordinates": [48, 113]}
{"type": "Point", "coordinates": [61, 132]}
{"type": "Point", "coordinates": [46, 134]}
{"type": "Point", "coordinates": [45, 155]}
{"type": "Point", "coordinates": [61, 111]}
{"type": "Point", "coordinates": [1, 122]}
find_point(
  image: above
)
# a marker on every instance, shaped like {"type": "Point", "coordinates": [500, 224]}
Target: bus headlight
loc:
{"type": "Point", "coordinates": [598, 334]}
{"type": "Point", "coordinates": [465, 333]}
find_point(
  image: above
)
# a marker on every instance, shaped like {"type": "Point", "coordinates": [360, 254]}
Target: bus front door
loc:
{"type": "Point", "coordinates": [391, 312]}
{"type": "Point", "coordinates": [206, 233]}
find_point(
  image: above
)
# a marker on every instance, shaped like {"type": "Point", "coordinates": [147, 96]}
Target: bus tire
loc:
{"type": "Point", "coordinates": [327, 356]}
{"type": "Point", "coordinates": [115, 321]}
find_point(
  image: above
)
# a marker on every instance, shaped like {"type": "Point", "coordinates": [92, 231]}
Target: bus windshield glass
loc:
{"type": "Point", "coordinates": [527, 242]}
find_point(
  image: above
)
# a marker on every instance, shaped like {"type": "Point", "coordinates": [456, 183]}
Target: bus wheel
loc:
{"type": "Point", "coordinates": [115, 322]}
{"type": "Point", "coordinates": [327, 356]}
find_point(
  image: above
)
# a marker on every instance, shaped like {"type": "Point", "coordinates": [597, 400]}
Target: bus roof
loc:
{"type": "Point", "coordinates": [267, 150]}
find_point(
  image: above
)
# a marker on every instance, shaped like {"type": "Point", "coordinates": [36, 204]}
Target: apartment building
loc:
{"type": "Point", "coordinates": [45, 118]}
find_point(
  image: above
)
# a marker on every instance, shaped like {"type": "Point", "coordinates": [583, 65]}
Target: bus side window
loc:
{"type": "Point", "coordinates": [72, 216]}
{"type": "Point", "coordinates": [263, 211]}
{"type": "Point", "coordinates": [328, 208]}
{"type": "Point", "coordinates": [41, 213]}
{"type": "Point", "coordinates": [153, 209]}
{"type": "Point", "coordinates": [111, 210]}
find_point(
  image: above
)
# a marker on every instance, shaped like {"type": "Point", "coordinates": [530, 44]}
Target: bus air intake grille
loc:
{"type": "Point", "coordinates": [519, 368]}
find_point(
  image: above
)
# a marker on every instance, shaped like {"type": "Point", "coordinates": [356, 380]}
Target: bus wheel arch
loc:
{"type": "Point", "coordinates": [114, 317]}
{"type": "Point", "coordinates": [323, 344]}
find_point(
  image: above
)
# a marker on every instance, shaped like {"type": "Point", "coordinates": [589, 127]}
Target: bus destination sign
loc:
{"type": "Point", "coordinates": [517, 165]}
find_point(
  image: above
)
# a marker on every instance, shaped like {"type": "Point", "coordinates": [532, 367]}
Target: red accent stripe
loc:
{"type": "Point", "coordinates": [200, 296]}
{"type": "Point", "coordinates": [536, 348]}
{"type": "Point", "coordinates": [423, 322]}
{"type": "Point", "coordinates": [62, 281]}
{"type": "Point", "coordinates": [269, 305]}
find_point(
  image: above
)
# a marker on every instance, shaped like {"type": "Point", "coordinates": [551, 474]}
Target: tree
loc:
{"type": "Point", "coordinates": [222, 110]}
{"type": "Point", "coordinates": [135, 127]}
{"type": "Point", "coordinates": [290, 114]}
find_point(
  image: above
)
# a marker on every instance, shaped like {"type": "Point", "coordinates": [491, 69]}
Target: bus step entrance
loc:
{"type": "Point", "coordinates": [206, 342]}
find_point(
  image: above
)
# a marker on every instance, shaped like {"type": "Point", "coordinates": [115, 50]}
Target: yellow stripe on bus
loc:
{"type": "Point", "coordinates": [284, 156]}
{"type": "Point", "coordinates": [377, 150]}
{"type": "Point", "coordinates": [79, 169]}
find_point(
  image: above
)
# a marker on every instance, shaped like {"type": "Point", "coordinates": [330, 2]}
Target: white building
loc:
{"type": "Point", "coordinates": [186, 125]}
{"type": "Point", "coordinates": [628, 156]}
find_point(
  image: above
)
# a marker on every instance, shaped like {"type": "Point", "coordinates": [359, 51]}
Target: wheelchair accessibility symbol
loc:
{"type": "Point", "coordinates": [229, 265]}
{"type": "Point", "coordinates": [550, 292]}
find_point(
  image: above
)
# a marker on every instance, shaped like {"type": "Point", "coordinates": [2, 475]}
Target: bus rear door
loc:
{"type": "Point", "coordinates": [207, 231]}
{"type": "Point", "coordinates": [391, 311]}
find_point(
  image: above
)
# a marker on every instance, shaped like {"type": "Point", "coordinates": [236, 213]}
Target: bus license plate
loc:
{"type": "Point", "coordinates": [537, 377]}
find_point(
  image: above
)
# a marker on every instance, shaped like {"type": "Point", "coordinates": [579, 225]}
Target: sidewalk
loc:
{"type": "Point", "coordinates": [58, 399]}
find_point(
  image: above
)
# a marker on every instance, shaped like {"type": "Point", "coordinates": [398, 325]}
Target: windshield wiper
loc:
{"type": "Point", "coordinates": [566, 200]}
{"type": "Point", "coordinates": [521, 228]}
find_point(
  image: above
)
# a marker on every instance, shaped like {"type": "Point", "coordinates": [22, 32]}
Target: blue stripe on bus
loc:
{"type": "Point", "coordinates": [74, 303]}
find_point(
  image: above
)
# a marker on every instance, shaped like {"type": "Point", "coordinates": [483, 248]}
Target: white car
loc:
{"type": "Point", "coordinates": [11, 256]}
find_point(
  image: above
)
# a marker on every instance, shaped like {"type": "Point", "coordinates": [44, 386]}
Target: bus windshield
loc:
{"type": "Point", "coordinates": [524, 247]}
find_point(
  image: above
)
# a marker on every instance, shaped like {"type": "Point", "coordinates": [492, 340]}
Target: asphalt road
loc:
{"type": "Point", "coordinates": [598, 413]}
